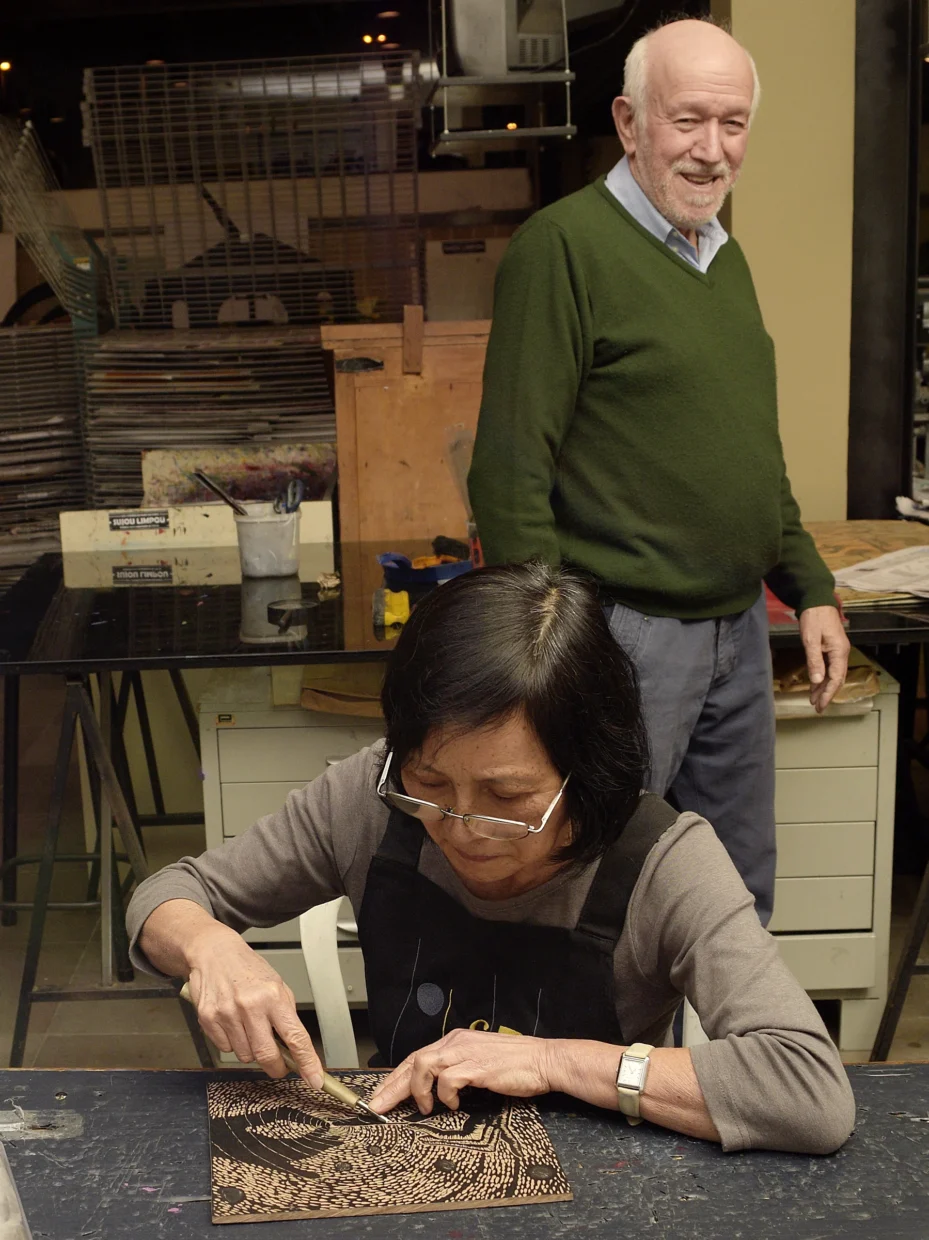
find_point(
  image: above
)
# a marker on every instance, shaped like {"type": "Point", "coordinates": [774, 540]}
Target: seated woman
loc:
{"type": "Point", "coordinates": [510, 879]}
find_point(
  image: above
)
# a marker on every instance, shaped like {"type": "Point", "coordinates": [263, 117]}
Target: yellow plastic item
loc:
{"type": "Point", "coordinates": [396, 607]}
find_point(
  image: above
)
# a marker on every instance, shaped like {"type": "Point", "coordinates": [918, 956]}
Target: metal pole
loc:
{"type": "Point", "coordinates": [114, 793]}
{"type": "Point", "coordinates": [187, 707]}
{"type": "Point", "coordinates": [10, 791]}
{"type": "Point", "coordinates": [105, 687]}
{"type": "Point", "coordinates": [44, 881]}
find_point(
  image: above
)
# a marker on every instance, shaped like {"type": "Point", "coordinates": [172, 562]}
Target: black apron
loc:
{"type": "Point", "coordinates": [432, 967]}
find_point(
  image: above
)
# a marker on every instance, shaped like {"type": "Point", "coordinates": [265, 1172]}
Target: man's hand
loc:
{"type": "Point", "coordinates": [502, 1062]}
{"type": "Point", "coordinates": [826, 647]}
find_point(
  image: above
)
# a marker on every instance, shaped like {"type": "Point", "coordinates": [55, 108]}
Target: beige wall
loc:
{"type": "Point", "coordinates": [792, 215]}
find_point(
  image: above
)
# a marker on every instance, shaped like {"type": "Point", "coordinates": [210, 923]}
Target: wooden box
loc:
{"type": "Point", "coordinates": [398, 389]}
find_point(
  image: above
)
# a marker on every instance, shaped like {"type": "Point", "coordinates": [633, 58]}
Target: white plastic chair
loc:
{"type": "Point", "coordinates": [693, 1030]}
{"type": "Point", "coordinates": [319, 940]}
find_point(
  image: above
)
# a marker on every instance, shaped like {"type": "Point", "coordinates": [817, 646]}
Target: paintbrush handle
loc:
{"type": "Point", "coordinates": [213, 486]}
{"type": "Point", "coordinates": [331, 1085]}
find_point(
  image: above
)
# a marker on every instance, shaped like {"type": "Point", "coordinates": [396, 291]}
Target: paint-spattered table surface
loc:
{"type": "Point", "coordinates": [139, 1168]}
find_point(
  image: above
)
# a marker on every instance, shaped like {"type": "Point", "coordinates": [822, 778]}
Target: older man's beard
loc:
{"type": "Point", "coordinates": [690, 206]}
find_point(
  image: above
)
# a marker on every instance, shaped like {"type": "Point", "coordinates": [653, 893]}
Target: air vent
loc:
{"type": "Point", "coordinates": [535, 51]}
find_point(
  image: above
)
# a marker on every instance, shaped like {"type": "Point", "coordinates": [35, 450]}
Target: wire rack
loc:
{"type": "Point", "coordinates": [33, 207]}
{"type": "Point", "coordinates": [41, 465]}
{"type": "Point", "coordinates": [274, 191]}
{"type": "Point", "coordinates": [244, 204]}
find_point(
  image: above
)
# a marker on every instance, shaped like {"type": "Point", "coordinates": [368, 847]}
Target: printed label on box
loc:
{"type": "Point", "coordinates": [144, 519]}
{"type": "Point", "coordinates": [463, 247]}
{"type": "Point", "coordinates": [142, 574]}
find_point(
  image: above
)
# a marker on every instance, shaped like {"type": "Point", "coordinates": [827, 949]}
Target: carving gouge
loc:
{"type": "Point", "coordinates": [331, 1085]}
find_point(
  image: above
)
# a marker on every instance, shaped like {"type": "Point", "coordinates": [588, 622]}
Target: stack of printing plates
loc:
{"type": "Point", "coordinates": [41, 465]}
{"type": "Point", "coordinates": [210, 387]}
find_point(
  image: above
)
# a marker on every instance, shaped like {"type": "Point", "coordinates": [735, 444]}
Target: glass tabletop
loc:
{"type": "Point", "coordinates": [104, 611]}
{"type": "Point", "coordinates": [109, 610]}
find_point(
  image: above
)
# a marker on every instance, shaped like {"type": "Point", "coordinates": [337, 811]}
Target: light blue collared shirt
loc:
{"type": "Point", "coordinates": [630, 194]}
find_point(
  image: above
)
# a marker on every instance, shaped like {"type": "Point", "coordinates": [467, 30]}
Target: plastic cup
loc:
{"type": "Point", "coordinates": [269, 541]}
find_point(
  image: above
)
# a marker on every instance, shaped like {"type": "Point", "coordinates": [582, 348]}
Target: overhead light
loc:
{"type": "Point", "coordinates": [511, 125]}
{"type": "Point", "coordinates": [56, 120]}
{"type": "Point", "coordinates": [366, 38]}
{"type": "Point", "coordinates": [180, 85]}
{"type": "Point", "coordinates": [388, 13]}
{"type": "Point", "coordinates": [382, 38]}
{"type": "Point", "coordinates": [391, 47]}
{"type": "Point", "coordinates": [154, 62]}
{"type": "Point", "coordinates": [5, 66]}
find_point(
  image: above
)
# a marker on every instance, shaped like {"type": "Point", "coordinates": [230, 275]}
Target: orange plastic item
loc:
{"type": "Point", "coordinates": [430, 561]}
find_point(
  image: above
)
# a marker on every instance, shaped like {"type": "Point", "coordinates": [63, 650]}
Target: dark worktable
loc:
{"type": "Point", "coordinates": [140, 1168]}
{"type": "Point", "coordinates": [47, 625]}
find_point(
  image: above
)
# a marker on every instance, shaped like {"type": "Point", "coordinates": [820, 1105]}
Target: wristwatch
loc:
{"type": "Point", "coordinates": [631, 1078]}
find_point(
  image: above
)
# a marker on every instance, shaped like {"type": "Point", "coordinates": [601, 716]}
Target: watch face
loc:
{"type": "Point", "coordinates": [631, 1073]}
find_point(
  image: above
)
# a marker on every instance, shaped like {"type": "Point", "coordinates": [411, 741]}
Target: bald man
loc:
{"type": "Point", "coordinates": [629, 427]}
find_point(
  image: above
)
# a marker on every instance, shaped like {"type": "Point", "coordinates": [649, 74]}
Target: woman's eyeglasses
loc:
{"type": "Point", "coordinates": [430, 814]}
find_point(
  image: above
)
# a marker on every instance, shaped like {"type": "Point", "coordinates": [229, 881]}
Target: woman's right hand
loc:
{"type": "Point", "coordinates": [241, 1001]}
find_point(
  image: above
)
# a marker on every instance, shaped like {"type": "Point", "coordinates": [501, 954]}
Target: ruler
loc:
{"type": "Point", "coordinates": [13, 1225]}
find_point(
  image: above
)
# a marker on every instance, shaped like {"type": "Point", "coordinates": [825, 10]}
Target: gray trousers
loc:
{"type": "Point", "coordinates": [707, 695]}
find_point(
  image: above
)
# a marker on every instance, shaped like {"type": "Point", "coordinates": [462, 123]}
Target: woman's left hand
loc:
{"type": "Point", "coordinates": [505, 1063]}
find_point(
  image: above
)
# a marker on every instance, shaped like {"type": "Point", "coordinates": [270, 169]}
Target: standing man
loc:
{"type": "Point", "coordinates": [629, 427]}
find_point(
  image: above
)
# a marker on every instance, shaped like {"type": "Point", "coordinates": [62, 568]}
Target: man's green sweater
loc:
{"type": "Point", "coordinates": [629, 420]}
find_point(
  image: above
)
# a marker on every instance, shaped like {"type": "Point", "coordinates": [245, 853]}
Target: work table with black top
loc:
{"type": "Point", "coordinates": [128, 1156]}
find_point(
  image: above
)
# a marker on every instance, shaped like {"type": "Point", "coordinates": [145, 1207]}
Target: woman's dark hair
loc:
{"type": "Point", "coordinates": [530, 638]}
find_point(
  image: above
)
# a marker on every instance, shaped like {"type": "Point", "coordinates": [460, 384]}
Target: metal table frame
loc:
{"type": "Point", "coordinates": [110, 806]}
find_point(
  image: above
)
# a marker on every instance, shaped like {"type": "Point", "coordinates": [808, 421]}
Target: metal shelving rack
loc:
{"type": "Point", "coordinates": [517, 77]}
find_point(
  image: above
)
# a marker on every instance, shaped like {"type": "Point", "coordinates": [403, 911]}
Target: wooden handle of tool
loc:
{"type": "Point", "coordinates": [333, 1087]}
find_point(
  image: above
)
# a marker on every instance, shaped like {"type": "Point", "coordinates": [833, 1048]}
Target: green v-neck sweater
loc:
{"type": "Point", "coordinates": [629, 420]}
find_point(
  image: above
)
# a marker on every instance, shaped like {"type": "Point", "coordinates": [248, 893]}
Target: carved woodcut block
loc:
{"type": "Point", "coordinates": [280, 1150]}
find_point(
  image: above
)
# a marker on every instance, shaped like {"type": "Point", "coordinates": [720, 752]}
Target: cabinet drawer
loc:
{"type": "Point", "coordinates": [822, 904]}
{"type": "Point", "coordinates": [823, 849]}
{"type": "Point", "coordinates": [836, 794]}
{"type": "Point", "coordinates": [830, 961]}
{"type": "Point", "coordinates": [838, 741]}
{"type": "Point", "coordinates": [295, 754]}
{"type": "Point", "coordinates": [244, 804]}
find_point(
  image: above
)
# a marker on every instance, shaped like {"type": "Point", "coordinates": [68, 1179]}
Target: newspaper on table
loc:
{"type": "Point", "coordinates": [899, 572]}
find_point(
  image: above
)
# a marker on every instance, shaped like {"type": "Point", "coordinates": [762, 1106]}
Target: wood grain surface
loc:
{"type": "Point", "coordinates": [280, 1150]}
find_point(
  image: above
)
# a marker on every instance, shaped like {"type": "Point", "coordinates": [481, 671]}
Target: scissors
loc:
{"type": "Point", "coordinates": [291, 499]}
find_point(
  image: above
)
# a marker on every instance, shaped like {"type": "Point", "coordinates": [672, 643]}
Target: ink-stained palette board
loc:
{"type": "Point", "coordinates": [280, 1150]}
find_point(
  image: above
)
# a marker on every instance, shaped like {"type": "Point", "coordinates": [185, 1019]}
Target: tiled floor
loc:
{"type": "Point", "coordinates": [151, 1033]}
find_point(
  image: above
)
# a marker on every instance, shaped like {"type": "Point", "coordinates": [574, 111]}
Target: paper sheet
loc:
{"type": "Point", "coordinates": [905, 571]}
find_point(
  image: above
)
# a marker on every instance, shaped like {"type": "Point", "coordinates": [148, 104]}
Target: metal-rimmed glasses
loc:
{"type": "Point", "coordinates": [430, 814]}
